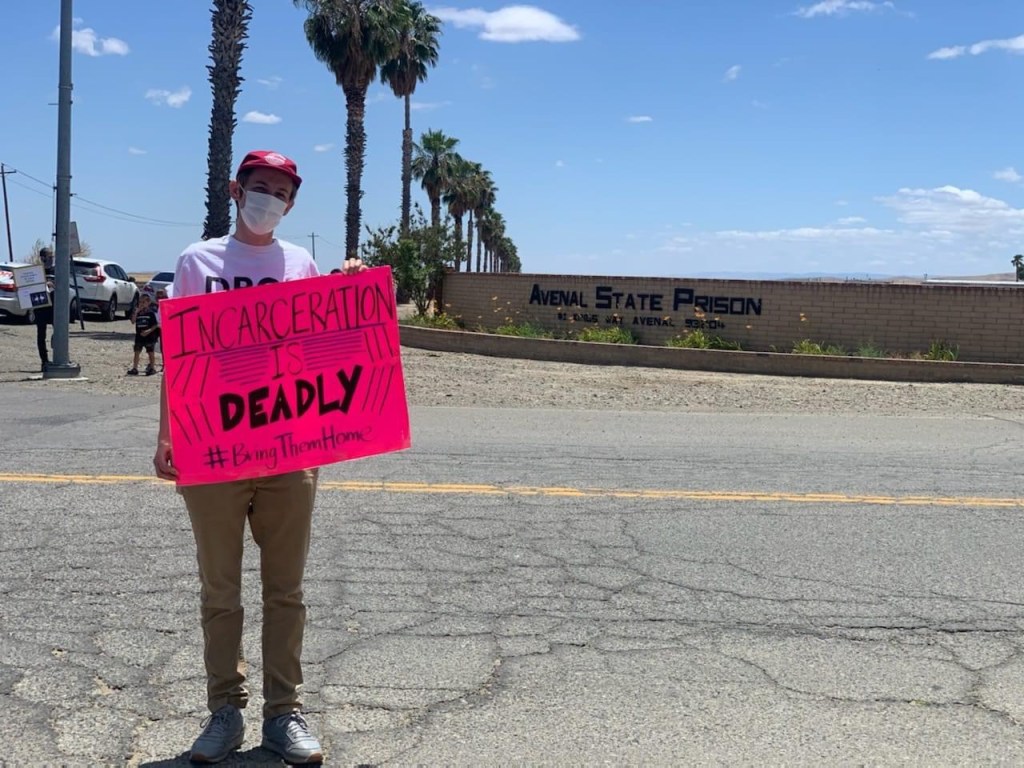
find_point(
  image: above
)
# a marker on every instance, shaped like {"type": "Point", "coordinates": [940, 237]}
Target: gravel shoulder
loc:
{"type": "Point", "coordinates": [104, 350]}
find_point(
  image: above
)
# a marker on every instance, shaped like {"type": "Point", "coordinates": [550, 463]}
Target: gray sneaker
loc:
{"type": "Point", "coordinates": [288, 736]}
{"type": "Point", "coordinates": [223, 731]}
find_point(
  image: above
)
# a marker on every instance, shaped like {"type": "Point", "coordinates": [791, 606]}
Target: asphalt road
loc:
{"type": "Point", "coordinates": [543, 588]}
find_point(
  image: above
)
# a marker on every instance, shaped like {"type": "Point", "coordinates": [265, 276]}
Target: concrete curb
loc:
{"type": "Point", "coordinates": [720, 361]}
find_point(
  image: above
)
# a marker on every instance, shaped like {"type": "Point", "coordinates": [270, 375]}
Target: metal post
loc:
{"type": "Point", "coordinates": [312, 238]}
{"type": "Point", "coordinates": [7, 213]}
{"type": "Point", "coordinates": [62, 367]}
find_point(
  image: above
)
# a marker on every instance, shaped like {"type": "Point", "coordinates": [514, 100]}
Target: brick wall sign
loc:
{"type": "Point", "coordinates": [983, 321]}
{"type": "Point", "coordinates": [281, 377]}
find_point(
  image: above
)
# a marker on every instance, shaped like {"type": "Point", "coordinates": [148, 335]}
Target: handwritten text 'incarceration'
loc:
{"type": "Point", "coordinates": [270, 321]}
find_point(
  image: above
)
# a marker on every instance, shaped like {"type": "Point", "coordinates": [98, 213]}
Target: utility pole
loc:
{"type": "Point", "coordinates": [7, 214]}
{"type": "Point", "coordinates": [62, 367]}
{"type": "Point", "coordinates": [312, 239]}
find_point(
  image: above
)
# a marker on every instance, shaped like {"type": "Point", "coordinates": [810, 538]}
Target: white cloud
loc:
{"type": "Point", "coordinates": [175, 99]}
{"type": "Point", "coordinates": [260, 118]}
{"type": "Point", "coordinates": [948, 53]}
{"type": "Point", "coordinates": [559, 163]}
{"type": "Point", "coordinates": [1008, 174]}
{"type": "Point", "coordinates": [136, 151]}
{"type": "Point", "coordinates": [640, 119]}
{"type": "Point", "coordinates": [88, 42]}
{"type": "Point", "coordinates": [943, 230]}
{"type": "Point", "coordinates": [842, 8]}
{"type": "Point", "coordinates": [804, 234]}
{"type": "Point", "coordinates": [426, 106]}
{"type": "Point", "coordinates": [732, 73]}
{"type": "Point", "coordinates": [271, 82]}
{"type": "Point", "coordinates": [1009, 44]}
{"type": "Point", "coordinates": [953, 209]}
{"type": "Point", "coordinates": [323, 147]}
{"type": "Point", "coordinates": [1012, 44]}
{"type": "Point", "coordinates": [511, 24]}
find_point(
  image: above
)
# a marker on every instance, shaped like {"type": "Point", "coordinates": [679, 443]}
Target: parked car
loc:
{"type": "Point", "coordinates": [159, 281]}
{"type": "Point", "coordinates": [104, 287]}
{"type": "Point", "coordinates": [9, 306]}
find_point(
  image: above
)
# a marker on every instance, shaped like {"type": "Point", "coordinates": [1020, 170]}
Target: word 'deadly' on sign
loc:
{"type": "Point", "coordinates": [286, 376]}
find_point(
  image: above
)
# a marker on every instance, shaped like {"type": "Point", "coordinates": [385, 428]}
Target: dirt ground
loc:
{"type": "Point", "coordinates": [104, 351]}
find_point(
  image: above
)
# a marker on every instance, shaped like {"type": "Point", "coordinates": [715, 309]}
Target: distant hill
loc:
{"type": "Point", "coordinates": [848, 276]}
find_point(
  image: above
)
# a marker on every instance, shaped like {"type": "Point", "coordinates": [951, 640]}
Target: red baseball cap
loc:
{"type": "Point", "coordinates": [263, 158]}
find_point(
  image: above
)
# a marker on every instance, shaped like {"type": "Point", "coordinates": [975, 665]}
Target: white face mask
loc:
{"type": "Point", "coordinates": [261, 212]}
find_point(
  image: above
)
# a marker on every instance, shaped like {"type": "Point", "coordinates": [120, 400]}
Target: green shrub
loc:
{"type": "Point", "coordinates": [870, 349]}
{"type": "Point", "coordinates": [702, 340]}
{"type": "Point", "coordinates": [808, 347]}
{"type": "Point", "coordinates": [942, 350]}
{"type": "Point", "coordinates": [613, 335]}
{"type": "Point", "coordinates": [442, 321]}
{"type": "Point", "coordinates": [525, 330]}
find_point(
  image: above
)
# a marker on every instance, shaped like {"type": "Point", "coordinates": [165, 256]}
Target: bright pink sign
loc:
{"type": "Point", "coordinates": [285, 376]}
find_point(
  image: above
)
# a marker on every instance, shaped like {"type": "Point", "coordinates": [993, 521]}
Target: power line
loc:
{"type": "Point", "coordinates": [76, 203]}
{"type": "Point", "coordinates": [29, 176]}
{"type": "Point", "coordinates": [341, 247]}
{"type": "Point", "coordinates": [33, 190]}
{"type": "Point", "coordinates": [132, 216]}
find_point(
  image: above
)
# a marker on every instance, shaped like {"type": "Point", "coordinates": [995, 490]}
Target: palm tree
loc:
{"type": "Point", "coordinates": [1018, 265]}
{"type": "Point", "coordinates": [505, 255]}
{"type": "Point", "coordinates": [458, 196]}
{"type": "Point", "coordinates": [508, 256]}
{"type": "Point", "coordinates": [492, 229]}
{"type": "Point", "coordinates": [417, 50]}
{"type": "Point", "coordinates": [431, 164]}
{"type": "Point", "coordinates": [352, 38]}
{"type": "Point", "coordinates": [477, 180]}
{"type": "Point", "coordinates": [230, 28]}
{"type": "Point", "coordinates": [486, 193]}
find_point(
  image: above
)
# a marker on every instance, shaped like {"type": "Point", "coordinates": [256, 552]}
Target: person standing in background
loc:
{"type": "Point", "coordinates": [44, 315]}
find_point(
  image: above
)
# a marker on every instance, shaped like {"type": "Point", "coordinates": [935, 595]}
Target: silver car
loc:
{"type": "Point", "coordinates": [9, 306]}
{"type": "Point", "coordinates": [161, 281]}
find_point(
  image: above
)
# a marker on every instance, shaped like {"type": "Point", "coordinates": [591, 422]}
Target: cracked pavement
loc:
{"type": "Point", "coordinates": [464, 626]}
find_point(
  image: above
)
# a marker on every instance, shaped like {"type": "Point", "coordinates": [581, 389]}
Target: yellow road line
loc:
{"type": "Point", "coordinates": [469, 489]}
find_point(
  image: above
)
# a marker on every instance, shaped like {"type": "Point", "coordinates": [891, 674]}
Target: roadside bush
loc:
{"type": "Point", "coordinates": [942, 350]}
{"type": "Point", "coordinates": [701, 340]}
{"type": "Point", "coordinates": [526, 330]}
{"type": "Point", "coordinates": [612, 335]}
{"type": "Point", "coordinates": [808, 347]}
{"type": "Point", "coordinates": [418, 262]}
{"type": "Point", "coordinates": [870, 349]}
{"type": "Point", "coordinates": [442, 321]}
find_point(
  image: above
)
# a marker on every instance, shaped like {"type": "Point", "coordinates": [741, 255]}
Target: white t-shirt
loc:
{"type": "Point", "coordinates": [225, 263]}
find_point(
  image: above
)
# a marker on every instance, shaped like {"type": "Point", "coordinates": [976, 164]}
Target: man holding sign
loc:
{"type": "Point", "coordinates": [278, 506]}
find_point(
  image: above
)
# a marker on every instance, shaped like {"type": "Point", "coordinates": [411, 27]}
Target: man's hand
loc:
{"type": "Point", "coordinates": [353, 266]}
{"type": "Point", "coordinates": [163, 462]}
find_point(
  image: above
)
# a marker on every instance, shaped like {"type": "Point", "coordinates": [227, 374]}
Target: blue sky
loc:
{"type": "Point", "coordinates": [656, 137]}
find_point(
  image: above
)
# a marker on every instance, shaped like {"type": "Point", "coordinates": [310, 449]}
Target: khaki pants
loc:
{"type": "Point", "coordinates": [280, 518]}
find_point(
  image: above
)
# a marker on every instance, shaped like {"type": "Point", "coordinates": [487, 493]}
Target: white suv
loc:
{"type": "Point", "coordinates": [103, 286]}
